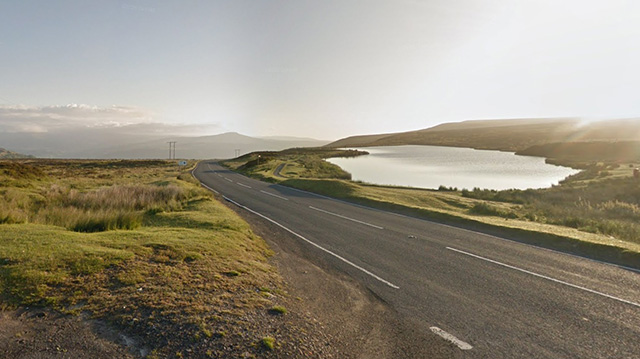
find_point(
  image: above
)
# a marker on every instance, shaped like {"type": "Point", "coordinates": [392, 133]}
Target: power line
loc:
{"type": "Point", "coordinates": [172, 150]}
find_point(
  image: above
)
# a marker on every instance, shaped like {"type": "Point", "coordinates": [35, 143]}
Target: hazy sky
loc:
{"type": "Point", "coordinates": [322, 68]}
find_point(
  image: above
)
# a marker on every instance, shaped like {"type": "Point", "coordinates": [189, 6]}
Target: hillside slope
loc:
{"type": "Point", "coordinates": [587, 151]}
{"type": "Point", "coordinates": [6, 154]}
{"type": "Point", "coordinates": [91, 143]}
{"type": "Point", "coordinates": [506, 135]}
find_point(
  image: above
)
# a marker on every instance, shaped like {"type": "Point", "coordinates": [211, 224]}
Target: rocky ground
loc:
{"type": "Point", "coordinates": [36, 333]}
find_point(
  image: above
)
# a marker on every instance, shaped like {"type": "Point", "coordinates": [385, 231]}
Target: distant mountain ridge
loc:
{"type": "Point", "coordinates": [106, 144]}
{"type": "Point", "coordinates": [6, 154]}
{"type": "Point", "coordinates": [506, 135]}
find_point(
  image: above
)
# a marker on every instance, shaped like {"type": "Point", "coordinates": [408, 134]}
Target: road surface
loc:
{"type": "Point", "coordinates": [487, 296]}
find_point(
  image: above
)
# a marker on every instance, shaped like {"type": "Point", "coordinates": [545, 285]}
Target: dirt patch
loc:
{"type": "Point", "coordinates": [37, 333]}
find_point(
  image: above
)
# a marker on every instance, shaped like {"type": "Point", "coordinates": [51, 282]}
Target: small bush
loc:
{"type": "Point", "coordinates": [9, 216]}
{"type": "Point", "coordinates": [447, 189]}
{"type": "Point", "coordinates": [106, 221]}
{"type": "Point", "coordinates": [192, 257]}
{"type": "Point", "coordinates": [278, 309]}
{"type": "Point", "coordinates": [489, 210]}
{"type": "Point", "coordinates": [268, 343]}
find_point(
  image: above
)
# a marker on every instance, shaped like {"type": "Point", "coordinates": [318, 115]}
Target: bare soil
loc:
{"type": "Point", "coordinates": [32, 333]}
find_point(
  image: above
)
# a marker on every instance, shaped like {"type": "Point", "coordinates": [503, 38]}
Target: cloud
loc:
{"type": "Point", "coordinates": [79, 117]}
{"type": "Point", "coordinates": [164, 129]}
{"type": "Point", "coordinates": [53, 118]}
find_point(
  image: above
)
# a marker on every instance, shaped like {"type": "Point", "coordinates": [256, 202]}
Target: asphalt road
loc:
{"type": "Point", "coordinates": [490, 297]}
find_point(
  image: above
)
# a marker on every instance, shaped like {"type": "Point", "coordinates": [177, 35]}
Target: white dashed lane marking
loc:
{"type": "Point", "coordinates": [344, 217]}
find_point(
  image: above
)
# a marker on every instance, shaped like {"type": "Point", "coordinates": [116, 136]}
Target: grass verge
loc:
{"type": "Point", "coordinates": [292, 163]}
{"type": "Point", "coordinates": [137, 244]}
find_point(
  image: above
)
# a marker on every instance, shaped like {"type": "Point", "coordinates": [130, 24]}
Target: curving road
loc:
{"type": "Point", "coordinates": [489, 297]}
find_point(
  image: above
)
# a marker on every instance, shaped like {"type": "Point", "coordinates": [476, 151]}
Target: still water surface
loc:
{"type": "Point", "coordinates": [432, 166]}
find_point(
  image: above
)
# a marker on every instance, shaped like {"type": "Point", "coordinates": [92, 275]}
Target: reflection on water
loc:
{"type": "Point", "coordinates": [432, 166]}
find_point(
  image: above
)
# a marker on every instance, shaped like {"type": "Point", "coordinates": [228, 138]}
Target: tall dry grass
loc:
{"type": "Point", "coordinates": [83, 220]}
{"type": "Point", "coordinates": [14, 206]}
{"type": "Point", "coordinates": [609, 206]}
{"type": "Point", "coordinates": [107, 208]}
{"type": "Point", "coordinates": [139, 197]}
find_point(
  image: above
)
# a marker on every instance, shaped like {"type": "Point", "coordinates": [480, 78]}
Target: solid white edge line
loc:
{"type": "Point", "coordinates": [451, 338]}
{"type": "Point", "coordinates": [209, 188]}
{"type": "Point", "coordinates": [314, 244]}
{"type": "Point", "coordinates": [468, 230]}
{"type": "Point", "coordinates": [545, 277]}
{"type": "Point", "coordinates": [243, 185]}
{"type": "Point", "coordinates": [347, 218]}
{"type": "Point", "coordinates": [274, 195]}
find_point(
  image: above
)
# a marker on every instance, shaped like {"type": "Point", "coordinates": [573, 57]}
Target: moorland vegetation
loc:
{"type": "Point", "coordinates": [141, 246]}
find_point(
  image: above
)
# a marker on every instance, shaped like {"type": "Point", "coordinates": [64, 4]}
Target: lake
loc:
{"type": "Point", "coordinates": [432, 166]}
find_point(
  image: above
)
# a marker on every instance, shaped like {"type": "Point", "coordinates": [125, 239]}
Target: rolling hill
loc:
{"type": "Point", "coordinates": [6, 154]}
{"type": "Point", "coordinates": [505, 135]}
{"type": "Point", "coordinates": [628, 151]}
{"type": "Point", "coordinates": [107, 144]}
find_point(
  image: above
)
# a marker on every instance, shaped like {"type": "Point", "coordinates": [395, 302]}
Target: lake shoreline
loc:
{"type": "Point", "coordinates": [433, 167]}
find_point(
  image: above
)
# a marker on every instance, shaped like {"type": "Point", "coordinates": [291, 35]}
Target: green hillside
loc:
{"type": "Point", "coordinates": [141, 246]}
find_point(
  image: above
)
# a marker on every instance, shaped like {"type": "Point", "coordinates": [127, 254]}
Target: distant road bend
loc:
{"type": "Point", "coordinates": [490, 297]}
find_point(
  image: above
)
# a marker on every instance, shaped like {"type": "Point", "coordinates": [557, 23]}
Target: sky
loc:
{"type": "Point", "coordinates": [324, 69]}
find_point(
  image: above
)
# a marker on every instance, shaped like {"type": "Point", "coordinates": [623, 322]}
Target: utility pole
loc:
{"type": "Point", "coordinates": [172, 150]}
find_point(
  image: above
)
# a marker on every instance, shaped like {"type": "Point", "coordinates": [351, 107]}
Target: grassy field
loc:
{"type": "Point", "coordinates": [137, 243]}
{"type": "Point", "coordinates": [292, 163]}
{"type": "Point", "coordinates": [597, 207]}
